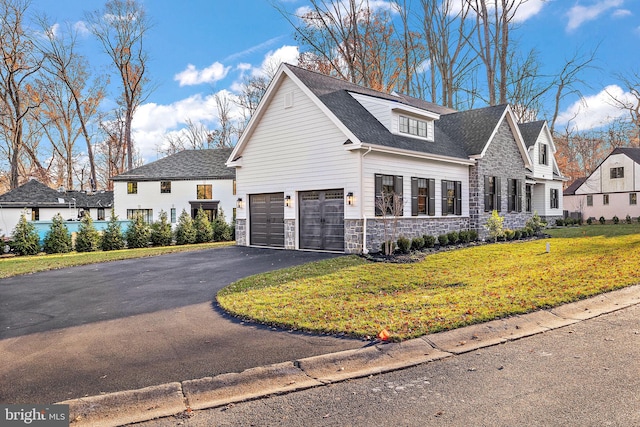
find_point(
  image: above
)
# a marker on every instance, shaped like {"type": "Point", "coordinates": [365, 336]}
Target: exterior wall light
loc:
{"type": "Point", "coordinates": [350, 199]}
{"type": "Point", "coordinates": [239, 203]}
{"type": "Point", "coordinates": [287, 201]}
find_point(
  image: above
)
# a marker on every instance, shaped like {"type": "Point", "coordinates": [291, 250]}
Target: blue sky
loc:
{"type": "Point", "coordinates": [202, 47]}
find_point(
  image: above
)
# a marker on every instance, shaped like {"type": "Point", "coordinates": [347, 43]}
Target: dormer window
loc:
{"type": "Point", "coordinates": [413, 126]}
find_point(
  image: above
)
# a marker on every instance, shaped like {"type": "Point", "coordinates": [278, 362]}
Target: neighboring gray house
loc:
{"type": "Point", "coordinates": [319, 152]}
{"type": "Point", "coordinates": [189, 180]}
{"type": "Point", "coordinates": [41, 203]}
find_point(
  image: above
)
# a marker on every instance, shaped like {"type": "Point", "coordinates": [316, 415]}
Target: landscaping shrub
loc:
{"type": "Point", "coordinates": [161, 233]}
{"type": "Point", "coordinates": [443, 239]}
{"type": "Point", "coordinates": [57, 240]}
{"type": "Point", "coordinates": [517, 235]}
{"type": "Point", "coordinates": [473, 235]}
{"type": "Point", "coordinates": [509, 234]}
{"type": "Point", "coordinates": [417, 243]}
{"type": "Point", "coordinates": [464, 236]}
{"type": "Point", "coordinates": [204, 229]}
{"type": "Point", "coordinates": [185, 231]}
{"type": "Point", "coordinates": [138, 233]}
{"type": "Point", "coordinates": [495, 226]}
{"type": "Point", "coordinates": [25, 239]}
{"type": "Point", "coordinates": [88, 238]}
{"type": "Point", "coordinates": [536, 224]}
{"type": "Point", "coordinates": [429, 241]}
{"type": "Point", "coordinates": [560, 222]}
{"type": "Point", "coordinates": [404, 244]}
{"type": "Point", "coordinates": [221, 230]}
{"type": "Point", "coordinates": [602, 220]}
{"type": "Point", "coordinates": [112, 238]}
{"type": "Point", "coordinates": [615, 219]}
{"type": "Point", "coordinates": [589, 220]}
{"type": "Point", "coordinates": [391, 246]}
{"type": "Point", "coordinates": [628, 219]}
{"type": "Point", "coordinates": [454, 237]}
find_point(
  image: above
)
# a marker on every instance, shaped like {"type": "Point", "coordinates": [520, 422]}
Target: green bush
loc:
{"type": "Point", "coordinates": [615, 219]}
{"type": "Point", "coordinates": [161, 233]}
{"type": "Point", "coordinates": [454, 237]}
{"type": "Point", "coordinates": [88, 238]}
{"type": "Point", "coordinates": [517, 235]}
{"type": "Point", "coordinates": [628, 219]}
{"type": "Point", "coordinates": [464, 236]}
{"type": "Point", "coordinates": [560, 222]}
{"type": "Point", "coordinates": [221, 230]}
{"type": "Point", "coordinates": [536, 223]}
{"type": "Point", "coordinates": [417, 243]}
{"type": "Point", "coordinates": [473, 235]}
{"type": "Point", "coordinates": [589, 221]}
{"type": "Point", "coordinates": [429, 241]}
{"type": "Point", "coordinates": [390, 245]}
{"type": "Point", "coordinates": [495, 226]}
{"type": "Point", "coordinates": [57, 240]}
{"type": "Point", "coordinates": [185, 231]}
{"type": "Point", "coordinates": [25, 239]}
{"type": "Point", "coordinates": [138, 233]}
{"type": "Point", "coordinates": [112, 238]}
{"type": "Point", "coordinates": [509, 234]}
{"type": "Point", "coordinates": [443, 239]}
{"type": "Point", "coordinates": [602, 220]}
{"type": "Point", "coordinates": [404, 244]}
{"type": "Point", "coordinates": [204, 229]}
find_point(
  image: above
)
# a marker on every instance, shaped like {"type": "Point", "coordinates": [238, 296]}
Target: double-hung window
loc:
{"type": "Point", "coordinates": [492, 199]}
{"type": "Point", "coordinates": [204, 192]}
{"type": "Point", "coordinates": [589, 199]}
{"type": "Point", "coordinates": [423, 196]}
{"type": "Point", "coordinates": [543, 157]}
{"type": "Point", "coordinates": [132, 187]}
{"type": "Point", "coordinates": [451, 197]}
{"type": "Point", "coordinates": [515, 195]}
{"type": "Point", "coordinates": [633, 198]}
{"type": "Point", "coordinates": [617, 172]}
{"type": "Point", "coordinates": [413, 126]}
{"type": "Point", "coordinates": [555, 200]}
{"type": "Point", "coordinates": [165, 187]}
{"type": "Point", "coordinates": [605, 199]}
{"type": "Point", "coordinates": [388, 197]}
{"type": "Point", "coordinates": [528, 197]}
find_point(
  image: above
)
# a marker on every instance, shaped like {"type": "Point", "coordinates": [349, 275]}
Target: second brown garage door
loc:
{"type": "Point", "coordinates": [322, 220]}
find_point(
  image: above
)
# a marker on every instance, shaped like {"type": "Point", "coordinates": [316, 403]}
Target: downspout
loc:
{"type": "Point", "coordinates": [362, 214]}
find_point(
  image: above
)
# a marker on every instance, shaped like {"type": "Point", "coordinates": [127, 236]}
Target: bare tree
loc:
{"type": "Point", "coordinates": [194, 136]}
{"type": "Point", "coordinates": [18, 67]}
{"type": "Point", "coordinates": [70, 71]}
{"type": "Point", "coordinates": [389, 208]}
{"type": "Point", "coordinates": [631, 83]}
{"type": "Point", "coordinates": [223, 136]}
{"type": "Point", "coordinates": [121, 27]}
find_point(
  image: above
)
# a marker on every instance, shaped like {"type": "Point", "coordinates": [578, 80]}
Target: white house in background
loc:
{"type": "Point", "coordinates": [611, 190]}
{"type": "Point", "coordinates": [187, 180]}
{"type": "Point", "coordinates": [319, 153]}
{"type": "Point", "coordinates": [545, 181]}
{"type": "Point", "coordinates": [41, 203]}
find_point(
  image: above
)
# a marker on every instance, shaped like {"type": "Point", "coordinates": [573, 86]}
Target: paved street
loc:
{"type": "Point", "coordinates": [130, 324]}
{"type": "Point", "coordinates": [585, 374]}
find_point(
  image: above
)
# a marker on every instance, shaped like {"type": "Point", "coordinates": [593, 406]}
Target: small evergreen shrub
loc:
{"type": "Point", "coordinates": [589, 221]}
{"type": "Point", "coordinates": [560, 222]}
{"type": "Point", "coordinates": [517, 235]}
{"type": "Point", "coordinates": [464, 236]}
{"type": "Point", "coordinates": [204, 228]}
{"type": "Point", "coordinates": [57, 240]}
{"type": "Point", "coordinates": [615, 219]}
{"type": "Point", "coordinates": [138, 233]}
{"type": "Point", "coordinates": [404, 244]}
{"type": "Point", "coordinates": [429, 241]}
{"type": "Point", "coordinates": [161, 233]}
{"type": "Point", "coordinates": [443, 239]}
{"type": "Point", "coordinates": [509, 234]}
{"type": "Point", "coordinates": [602, 220]}
{"type": "Point", "coordinates": [417, 243]}
{"type": "Point", "coordinates": [473, 235]}
{"type": "Point", "coordinates": [536, 223]}
{"type": "Point", "coordinates": [221, 230]}
{"type": "Point", "coordinates": [25, 239]}
{"type": "Point", "coordinates": [112, 238]}
{"type": "Point", "coordinates": [88, 238]}
{"type": "Point", "coordinates": [454, 237]}
{"type": "Point", "coordinates": [185, 231]}
{"type": "Point", "coordinates": [628, 219]}
{"type": "Point", "coordinates": [495, 226]}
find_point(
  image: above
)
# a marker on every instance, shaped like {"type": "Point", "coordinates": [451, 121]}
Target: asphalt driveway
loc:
{"type": "Point", "coordinates": [131, 324]}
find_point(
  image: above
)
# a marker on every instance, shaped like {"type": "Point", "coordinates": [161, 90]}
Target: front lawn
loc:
{"type": "Point", "coordinates": [444, 291]}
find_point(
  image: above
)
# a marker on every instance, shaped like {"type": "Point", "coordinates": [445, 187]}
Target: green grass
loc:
{"type": "Point", "coordinates": [609, 230]}
{"type": "Point", "coordinates": [444, 291]}
{"type": "Point", "coordinates": [13, 266]}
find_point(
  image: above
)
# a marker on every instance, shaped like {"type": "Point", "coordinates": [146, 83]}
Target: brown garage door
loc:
{"type": "Point", "coordinates": [322, 220]}
{"type": "Point", "coordinates": [266, 219]}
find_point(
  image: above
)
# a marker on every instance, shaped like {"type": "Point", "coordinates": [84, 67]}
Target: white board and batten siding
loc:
{"type": "Point", "coordinates": [541, 170]}
{"type": "Point", "coordinates": [386, 164]}
{"type": "Point", "coordinates": [296, 147]}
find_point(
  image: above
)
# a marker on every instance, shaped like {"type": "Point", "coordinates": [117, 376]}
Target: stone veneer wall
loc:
{"type": "Point", "coordinates": [413, 227]}
{"type": "Point", "coordinates": [353, 236]}
{"type": "Point", "coordinates": [289, 233]}
{"type": "Point", "coordinates": [504, 160]}
{"type": "Point", "coordinates": [241, 232]}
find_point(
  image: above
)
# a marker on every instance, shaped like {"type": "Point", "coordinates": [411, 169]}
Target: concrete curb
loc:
{"type": "Point", "coordinates": [116, 409]}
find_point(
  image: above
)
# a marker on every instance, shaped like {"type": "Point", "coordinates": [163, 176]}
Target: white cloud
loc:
{"type": "Point", "coordinates": [81, 28]}
{"type": "Point", "coordinates": [525, 10]}
{"type": "Point", "coordinates": [578, 15]}
{"type": "Point", "coordinates": [621, 13]}
{"type": "Point", "coordinates": [192, 76]}
{"type": "Point", "coordinates": [595, 111]}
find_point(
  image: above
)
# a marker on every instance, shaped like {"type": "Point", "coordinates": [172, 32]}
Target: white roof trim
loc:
{"type": "Point", "coordinates": [416, 154]}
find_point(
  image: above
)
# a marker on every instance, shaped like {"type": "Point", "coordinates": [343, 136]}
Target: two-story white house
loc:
{"type": "Point", "coordinates": [319, 154]}
{"type": "Point", "coordinates": [611, 190]}
{"type": "Point", "coordinates": [187, 180]}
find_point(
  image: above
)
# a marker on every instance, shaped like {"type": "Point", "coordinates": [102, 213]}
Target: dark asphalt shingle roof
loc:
{"type": "Point", "coordinates": [632, 153]}
{"type": "Point", "coordinates": [530, 132]}
{"type": "Point", "coordinates": [33, 194]}
{"type": "Point", "coordinates": [184, 165]}
{"type": "Point", "coordinates": [571, 189]}
{"type": "Point", "coordinates": [457, 134]}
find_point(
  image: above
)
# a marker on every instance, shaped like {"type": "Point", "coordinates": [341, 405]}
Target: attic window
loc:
{"type": "Point", "coordinates": [288, 99]}
{"type": "Point", "coordinates": [413, 126]}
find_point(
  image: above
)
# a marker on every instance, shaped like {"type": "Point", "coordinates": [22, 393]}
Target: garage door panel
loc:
{"type": "Point", "coordinates": [322, 220]}
{"type": "Point", "coordinates": [266, 213]}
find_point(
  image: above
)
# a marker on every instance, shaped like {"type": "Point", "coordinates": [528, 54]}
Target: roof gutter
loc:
{"type": "Point", "coordinates": [409, 153]}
